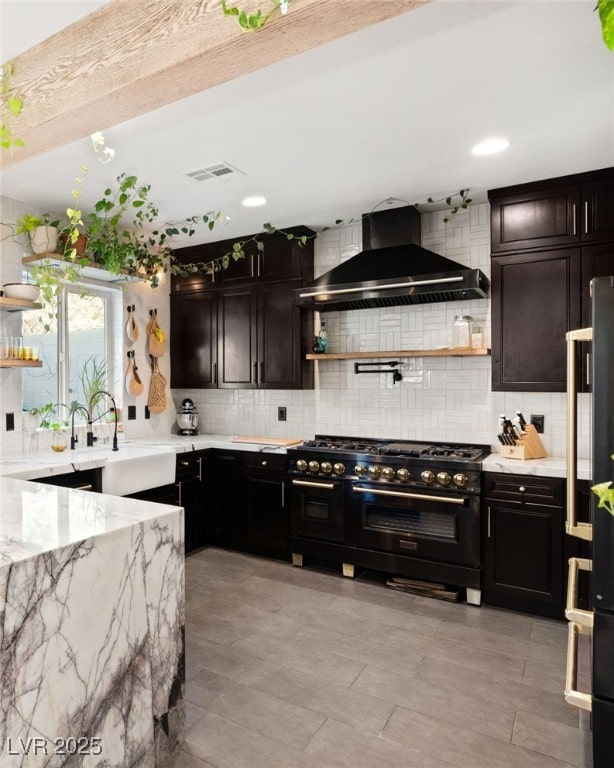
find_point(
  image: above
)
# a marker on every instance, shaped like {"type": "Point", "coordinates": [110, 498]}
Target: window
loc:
{"type": "Point", "coordinates": [79, 352]}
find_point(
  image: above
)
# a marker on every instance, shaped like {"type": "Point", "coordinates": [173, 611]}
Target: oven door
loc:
{"type": "Point", "coordinates": [316, 509]}
{"type": "Point", "coordinates": [434, 526]}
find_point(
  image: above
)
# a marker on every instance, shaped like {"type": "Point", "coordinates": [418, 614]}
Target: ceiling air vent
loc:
{"type": "Point", "coordinates": [216, 171]}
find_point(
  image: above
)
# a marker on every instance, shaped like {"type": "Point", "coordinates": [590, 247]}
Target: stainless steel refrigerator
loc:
{"type": "Point", "coordinates": [597, 623]}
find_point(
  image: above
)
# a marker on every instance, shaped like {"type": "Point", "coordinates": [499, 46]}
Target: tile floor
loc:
{"type": "Point", "coordinates": [301, 668]}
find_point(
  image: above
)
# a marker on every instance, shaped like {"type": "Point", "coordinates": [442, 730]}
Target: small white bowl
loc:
{"type": "Point", "coordinates": [21, 291]}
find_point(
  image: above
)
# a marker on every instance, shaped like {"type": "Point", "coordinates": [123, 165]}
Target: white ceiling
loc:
{"type": "Point", "coordinates": [392, 110]}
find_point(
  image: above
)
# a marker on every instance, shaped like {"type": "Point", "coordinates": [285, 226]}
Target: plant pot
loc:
{"type": "Point", "coordinates": [79, 245]}
{"type": "Point", "coordinates": [44, 239]}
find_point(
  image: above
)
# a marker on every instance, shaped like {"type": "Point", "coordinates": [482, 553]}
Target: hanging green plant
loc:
{"type": "Point", "coordinates": [606, 16]}
{"type": "Point", "coordinates": [252, 22]}
{"type": "Point", "coordinates": [10, 108]}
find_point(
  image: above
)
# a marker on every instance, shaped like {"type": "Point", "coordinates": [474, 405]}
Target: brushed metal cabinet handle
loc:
{"type": "Point", "coordinates": [200, 469]}
{"type": "Point", "coordinates": [488, 523]}
{"type": "Point", "coordinates": [573, 214]}
{"type": "Point", "coordinates": [87, 487]}
{"type": "Point", "coordinates": [283, 495]}
{"type": "Point", "coordinates": [586, 217]}
{"type": "Point", "coordinates": [179, 500]}
{"type": "Point", "coordinates": [215, 373]}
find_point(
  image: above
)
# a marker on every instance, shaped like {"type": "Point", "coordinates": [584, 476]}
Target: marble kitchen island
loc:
{"type": "Point", "coordinates": [91, 629]}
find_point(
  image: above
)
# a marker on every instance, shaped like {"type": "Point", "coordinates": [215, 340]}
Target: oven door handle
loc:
{"type": "Point", "coordinates": [405, 495]}
{"type": "Point", "coordinates": [309, 484]}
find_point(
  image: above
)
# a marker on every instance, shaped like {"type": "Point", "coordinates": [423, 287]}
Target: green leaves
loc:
{"type": "Point", "coordinates": [10, 109]}
{"type": "Point", "coordinates": [254, 21]}
{"type": "Point", "coordinates": [606, 16]}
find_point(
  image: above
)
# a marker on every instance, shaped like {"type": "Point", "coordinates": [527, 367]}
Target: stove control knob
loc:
{"type": "Point", "coordinates": [374, 471]}
{"type": "Point", "coordinates": [339, 468]}
{"type": "Point", "coordinates": [443, 478]}
{"type": "Point", "coordinates": [428, 476]}
{"type": "Point", "coordinates": [314, 466]}
{"type": "Point", "coordinates": [388, 473]}
{"type": "Point", "coordinates": [326, 467]}
{"type": "Point", "coordinates": [460, 479]}
{"type": "Point", "coordinates": [403, 474]}
{"type": "Point", "coordinates": [301, 465]}
{"type": "Point", "coordinates": [360, 469]}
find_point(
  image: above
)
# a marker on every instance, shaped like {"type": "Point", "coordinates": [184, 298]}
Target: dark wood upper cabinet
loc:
{"type": "Point", "coordinates": [534, 219]}
{"type": "Point", "coordinates": [194, 340]}
{"type": "Point", "coordinates": [237, 317]}
{"type": "Point", "coordinates": [549, 239]}
{"type": "Point", "coordinates": [532, 309]}
{"type": "Point", "coordinates": [598, 211]}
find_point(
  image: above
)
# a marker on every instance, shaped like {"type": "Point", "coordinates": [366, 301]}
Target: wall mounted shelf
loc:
{"type": "Point", "coordinates": [448, 352]}
{"type": "Point", "coordinates": [91, 271]}
{"type": "Point", "coordinates": [17, 305]}
{"type": "Point", "coordinates": [10, 363]}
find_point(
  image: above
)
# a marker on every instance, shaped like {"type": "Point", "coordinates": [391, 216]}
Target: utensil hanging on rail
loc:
{"type": "Point", "coordinates": [132, 330]}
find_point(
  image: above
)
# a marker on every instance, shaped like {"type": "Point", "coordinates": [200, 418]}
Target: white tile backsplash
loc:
{"type": "Point", "coordinates": [438, 399]}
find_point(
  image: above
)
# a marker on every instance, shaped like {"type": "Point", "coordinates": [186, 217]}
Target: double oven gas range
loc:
{"type": "Point", "coordinates": [402, 507]}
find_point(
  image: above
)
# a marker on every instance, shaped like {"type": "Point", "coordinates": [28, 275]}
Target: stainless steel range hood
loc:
{"type": "Point", "coordinates": [392, 270]}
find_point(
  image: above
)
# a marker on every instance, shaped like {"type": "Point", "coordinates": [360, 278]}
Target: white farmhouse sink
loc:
{"type": "Point", "coordinates": [133, 469]}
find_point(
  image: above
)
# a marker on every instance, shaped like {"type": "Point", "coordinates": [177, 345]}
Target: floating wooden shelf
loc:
{"type": "Point", "coordinates": [17, 305]}
{"type": "Point", "coordinates": [390, 355]}
{"type": "Point", "coordinates": [90, 270]}
{"type": "Point", "coordinates": [8, 362]}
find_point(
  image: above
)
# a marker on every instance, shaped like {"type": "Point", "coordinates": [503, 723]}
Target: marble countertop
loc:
{"type": "Point", "coordinates": [551, 466]}
{"type": "Point", "coordinates": [36, 518]}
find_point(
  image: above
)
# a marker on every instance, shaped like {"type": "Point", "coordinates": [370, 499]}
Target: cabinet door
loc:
{"type": "Point", "coordinates": [283, 259]}
{"type": "Point", "coordinates": [237, 353]}
{"type": "Point", "coordinates": [204, 253]}
{"type": "Point", "coordinates": [239, 270]}
{"type": "Point", "coordinates": [194, 340]}
{"type": "Point", "coordinates": [598, 210]}
{"type": "Point", "coordinates": [265, 529]}
{"type": "Point", "coordinates": [543, 218]}
{"type": "Point", "coordinates": [523, 555]}
{"type": "Point", "coordinates": [226, 500]}
{"type": "Point", "coordinates": [279, 337]}
{"type": "Point", "coordinates": [535, 301]}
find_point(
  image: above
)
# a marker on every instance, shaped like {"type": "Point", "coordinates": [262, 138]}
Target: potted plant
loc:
{"type": "Point", "coordinates": [42, 231]}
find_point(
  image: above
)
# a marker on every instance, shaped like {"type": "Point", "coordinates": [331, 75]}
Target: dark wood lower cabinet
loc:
{"type": "Point", "coordinates": [523, 539]}
{"type": "Point", "coordinates": [224, 521]}
{"type": "Point", "coordinates": [265, 515]}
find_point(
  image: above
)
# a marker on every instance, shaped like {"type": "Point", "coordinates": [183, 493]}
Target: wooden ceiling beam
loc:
{"type": "Point", "coordinates": [128, 58]}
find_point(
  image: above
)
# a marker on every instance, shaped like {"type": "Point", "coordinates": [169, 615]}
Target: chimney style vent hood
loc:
{"type": "Point", "coordinates": [393, 270]}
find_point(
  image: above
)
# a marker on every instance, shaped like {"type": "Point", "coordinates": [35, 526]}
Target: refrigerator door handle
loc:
{"type": "Point", "coordinates": [572, 695]}
{"type": "Point", "coordinates": [572, 612]}
{"type": "Point", "coordinates": [573, 528]}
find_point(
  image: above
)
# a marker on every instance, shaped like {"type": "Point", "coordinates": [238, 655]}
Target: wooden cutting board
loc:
{"type": "Point", "coordinates": [268, 440]}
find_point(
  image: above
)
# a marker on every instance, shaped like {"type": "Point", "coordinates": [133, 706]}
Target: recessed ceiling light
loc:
{"type": "Point", "coordinates": [252, 202]}
{"type": "Point", "coordinates": [490, 146]}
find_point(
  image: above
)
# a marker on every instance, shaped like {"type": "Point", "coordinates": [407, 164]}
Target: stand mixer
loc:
{"type": "Point", "coordinates": [187, 418]}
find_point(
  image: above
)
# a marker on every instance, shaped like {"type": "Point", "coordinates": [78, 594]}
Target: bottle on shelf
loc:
{"type": "Point", "coordinates": [320, 342]}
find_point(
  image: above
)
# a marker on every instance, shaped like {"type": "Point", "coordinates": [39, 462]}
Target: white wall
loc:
{"type": "Point", "coordinates": [439, 399]}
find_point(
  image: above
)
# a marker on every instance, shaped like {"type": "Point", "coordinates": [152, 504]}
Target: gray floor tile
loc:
{"type": "Point", "coordinates": [226, 744]}
{"type": "Point", "coordinates": [460, 746]}
{"type": "Point", "coordinates": [423, 625]}
{"type": "Point", "coordinates": [462, 653]}
{"type": "Point", "coordinates": [462, 710]}
{"type": "Point", "coordinates": [186, 760]}
{"type": "Point", "coordinates": [349, 706]}
{"type": "Point", "coordinates": [497, 689]}
{"type": "Point", "coordinates": [397, 658]}
{"type": "Point", "coordinates": [278, 719]}
{"type": "Point", "coordinates": [280, 657]}
{"type": "Point", "coordinates": [302, 657]}
{"type": "Point", "coordinates": [554, 739]}
{"type": "Point", "coordinates": [342, 745]}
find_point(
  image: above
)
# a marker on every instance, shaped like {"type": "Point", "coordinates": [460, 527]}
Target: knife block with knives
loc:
{"type": "Point", "coordinates": [527, 446]}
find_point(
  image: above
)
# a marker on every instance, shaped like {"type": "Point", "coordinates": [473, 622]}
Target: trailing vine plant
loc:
{"type": "Point", "coordinates": [252, 22]}
{"type": "Point", "coordinates": [10, 108]}
{"type": "Point", "coordinates": [606, 16]}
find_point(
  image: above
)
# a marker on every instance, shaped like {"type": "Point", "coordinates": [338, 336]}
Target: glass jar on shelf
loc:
{"type": "Point", "coordinates": [462, 331]}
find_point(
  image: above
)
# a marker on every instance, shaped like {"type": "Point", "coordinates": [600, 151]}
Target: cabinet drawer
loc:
{"type": "Point", "coordinates": [265, 462]}
{"type": "Point", "coordinates": [525, 488]}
